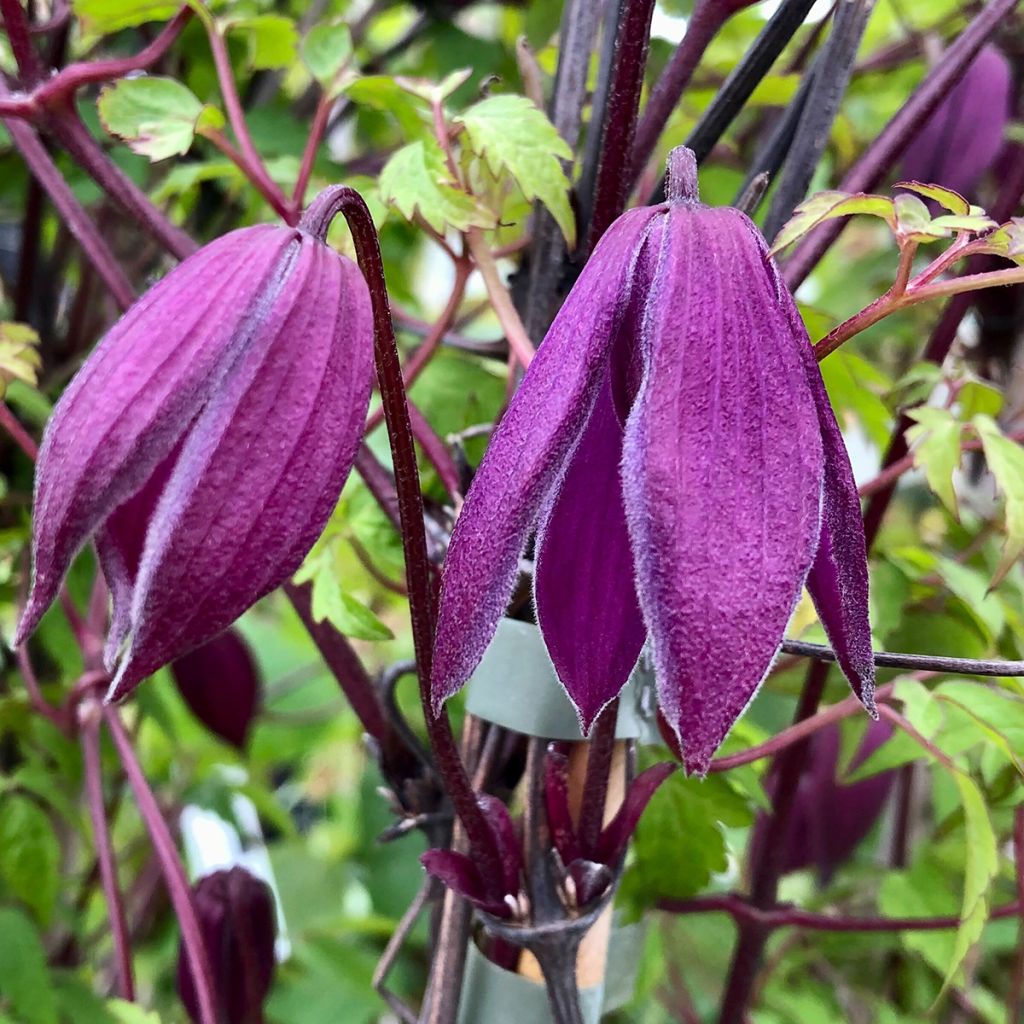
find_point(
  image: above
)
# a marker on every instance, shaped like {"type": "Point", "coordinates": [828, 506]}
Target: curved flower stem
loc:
{"type": "Point", "coordinates": [45, 171]}
{"type": "Point", "coordinates": [786, 917]}
{"type": "Point", "coordinates": [518, 340]}
{"type": "Point", "coordinates": [348, 202]}
{"type": "Point", "coordinates": [171, 866]}
{"type": "Point", "coordinates": [89, 718]}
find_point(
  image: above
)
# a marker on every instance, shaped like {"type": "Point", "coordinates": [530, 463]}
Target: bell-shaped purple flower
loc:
{"type": "Point", "coordinates": [220, 684]}
{"type": "Point", "coordinates": [236, 918]}
{"type": "Point", "coordinates": [673, 445]}
{"type": "Point", "coordinates": [205, 441]}
{"type": "Point", "coordinates": [963, 137]}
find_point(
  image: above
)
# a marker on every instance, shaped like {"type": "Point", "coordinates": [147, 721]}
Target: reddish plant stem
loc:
{"type": "Point", "coordinates": [897, 134]}
{"type": "Point", "coordinates": [435, 451]}
{"type": "Point", "coordinates": [256, 175]}
{"type": "Point", "coordinates": [355, 683]}
{"type": "Point", "coordinates": [785, 917]}
{"type": "Point", "coordinates": [255, 169]}
{"type": "Point", "coordinates": [18, 433]}
{"type": "Point", "coordinates": [316, 133]}
{"type": "Point", "coordinates": [62, 86]}
{"type": "Point", "coordinates": [35, 694]}
{"type": "Point", "coordinates": [43, 169]}
{"type": "Point", "coordinates": [173, 871]}
{"type": "Point", "coordinates": [19, 35]}
{"type": "Point", "coordinates": [702, 26]}
{"type": "Point", "coordinates": [28, 257]}
{"type": "Point", "coordinates": [89, 718]}
{"type": "Point", "coordinates": [348, 202]}
{"type": "Point", "coordinates": [612, 182]}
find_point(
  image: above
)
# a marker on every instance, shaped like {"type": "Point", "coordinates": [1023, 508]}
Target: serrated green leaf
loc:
{"type": "Point", "coordinates": [980, 870]}
{"type": "Point", "coordinates": [975, 397]}
{"type": "Point", "coordinates": [952, 201]}
{"type": "Point", "coordinates": [100, 17]}
{"type": "Point", "coordinates": [19, 355]}
{"type": "Point", "coordinates": [1007, 240]}
{"type": "Point", "coordinates": [1005, 459]}
{"type": "Point", "coordinates": [382, 92]}
{"type": "Point", "coordinates": [325, 50]}
{"type": "Point", "coordinates": [936, 446]}
{"type": "Point", "coordinates": [24, 976]}
{"type": "Point", "coordinates": [827, 206]}
{"type": "Point", "coordinates": [510, 134]}
{"type": "Point", "coordinates": [914, 222]}
{"type": "Point", "coordinates": [156, 117]}
{"type": "Point", "coordinates": [29, 854]}
{"type": "Point", "coordinates": [855, 387]}
{"type": "Point", "coordinates": [955, 222]}
{"type": "Point", "coordinates": [273, 40]}
{"type": "Point", "coordinates": [416, 181]}
{"type": "Point", "coordinates": [330, 603]}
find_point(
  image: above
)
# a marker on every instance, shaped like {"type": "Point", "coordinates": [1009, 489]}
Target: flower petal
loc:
{"type": "Point", "coordinates": [261, 469]}
{"type": "Point", "coordinates": [722, 474]}
{"type": "Point", "coordinates": [587, 608]}
{"type": "Point", "coordinates": [132, 400]}
{"type": "Point", "coordinates": [527, 453]}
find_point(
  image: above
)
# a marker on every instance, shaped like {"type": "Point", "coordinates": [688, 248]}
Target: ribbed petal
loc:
{"type": "Point", "coordinates": [262, 467]}
{"type": "Point", "coordinates": [587, 608]}
{"type": "Point", "coordinates": [132, 400]}
{"type": "Point", "coordinates": [838, 581]}
{"type": "Point", "coordinates": [961, 140]}
{"type": "Point", "coordinates": [722, 474]}
{"type": "Point", "coordinates": [527, 453]}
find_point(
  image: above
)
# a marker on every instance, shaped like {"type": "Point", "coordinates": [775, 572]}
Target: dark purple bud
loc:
{"type": "Point", "coordinates": [675, 450]}
{"type": "Point", "coordinates": [587, 881]}
{"type": "Point", "coordinates": [236, 917]}
{"type": "Point", "coordinates": [961, 140]}
{"type": "Point", "coordinates": [616, 835]}
{"type": "Point", "coordinates": [830, 819]}
{"type": "Point", "coordinates": [205, 441]}
{"type": "Point", "coordinates": [556, 798]}
{"type": "Point", "coordinates": [462, 876]}
{"type": "Point", "coordinates": [219, 682]}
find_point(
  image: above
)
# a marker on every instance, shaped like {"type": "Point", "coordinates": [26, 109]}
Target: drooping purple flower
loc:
{"type": "Point", "coordinates": [205, 441]}
{"type": "Point", "coordinates": [673, 445]}
{"type": "Point", "coordinates": [236, 918]}
{"type": "Point", "coordinates": [830, 818]}
{"type": "Point", "coordinates": [220, 684]}
{"type": "Point", "coordinates": [963, 137]}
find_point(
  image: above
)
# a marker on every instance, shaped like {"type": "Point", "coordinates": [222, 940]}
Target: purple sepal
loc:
{"type": "Point", "coordinates": [236, 918]}
{"type": "Point", "coordinates": [616, 835]}
{"type": "Point", "coordinates": [206, 440]}
{"type": "Point", "coordinates": [220, 684]}
{"type": "Point", "coordinates": [458, 873]}
{"type": "Point", "coordinates": [526, 455]}
{"type": "Point", "coordinates": [590, 881]}
{"type": "Point", "coordinates": [507, 840]}
{"type": "Point", "coordinates": [584, 571]}
{"type": "Point", "coordinates": [722, 473]}
{"type": "Point", "coordinates": [963, 137]}
{"type": "Point", "coordinates": [556, 801]}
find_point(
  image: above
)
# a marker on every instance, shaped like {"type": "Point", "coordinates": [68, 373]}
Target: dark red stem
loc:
{"type": "Point", "coordinates": [19, 35]}
{"type": "Point", "coordinates": [595, 784]}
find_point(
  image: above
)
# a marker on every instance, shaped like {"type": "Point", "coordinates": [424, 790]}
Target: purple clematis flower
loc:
{"type": "Point", "coordinates": [673, 445]}
{"type": "Point", "coordinates": [205, 441]}
{"type": "Point", "coordinates": [963, 137]}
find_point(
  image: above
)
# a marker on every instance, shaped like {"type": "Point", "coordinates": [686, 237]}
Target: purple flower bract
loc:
{"type": "Point", "coordinates": [674, 448]}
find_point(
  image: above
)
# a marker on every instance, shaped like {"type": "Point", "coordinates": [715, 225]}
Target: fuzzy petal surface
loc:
{"type": "Point", "coordinates": [587, 608]}
{"type": "Point", "coordinates": [527, 453]}
{"type": "Point", "coordinates": [722, 474]}
{"type": "Point", "coordinates": [262, 467]}
{"type": "Point", "coordinates": [135, 396]}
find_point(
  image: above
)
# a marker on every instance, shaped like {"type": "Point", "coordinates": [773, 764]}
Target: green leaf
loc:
{"type": "Point", "coordinates": [101, 17]}
{"type": "Point", "coordinates": [855, 387]}
{"type": "Point", "coordinates": [936, 446]}
{"type": "Point", "coordinates": [1007, 240]}
{"type": "Point", "coordinates": [29, 854]}
{"type": "Point", "coordinates": [976, 397]}
{"type": "Point", "coordinates": [157, 117]}
{"type": "Point", "coordinates": [952, 201]}
{"type": "Point", "coordinates": [124, 1012]}
{"type": "Point", "coordinates": [325, 50]}
{"type": "Point", "coordinates": [416, 181]}
{"type": "Point", "coordinates": [383, 93]}
{"type": "Point", "coordinates": [510, 134]}
{"type": "Point", "coordinates": [19, 355]}
{"type": "Point", "coordinates": [273, 40]}
{"type": "Point", "coordinates": [914, 222]}
{"type": "Point", "coordinates": [980, 870]}
{"type": "Point", "coordinates": [347, 614]}
{"type": "Point", "coordinates": [1005, 459]}
{"type": "Point", "coordinates": [827, 206]}
{"type": "Point", "coordinates": [24, 976]}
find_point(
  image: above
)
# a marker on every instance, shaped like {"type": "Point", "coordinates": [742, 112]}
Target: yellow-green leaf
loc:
{"type": "Point", "coordinates": [19, 355]}
{"type": "Point", "coordinates": [325, 51]}
{"type": "Point", "coordinates": [273, 40]}
{"type": "Point", "coordinates": [935, 441]}
{"type": "Point", "coordinates": [952, 201]}
{"type": "Point", "coordinates": [99, 17]}
{"type": "Point", "coordinates": [1005, 459]}
{"type": "Point", "coordinates": [512, 135]}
